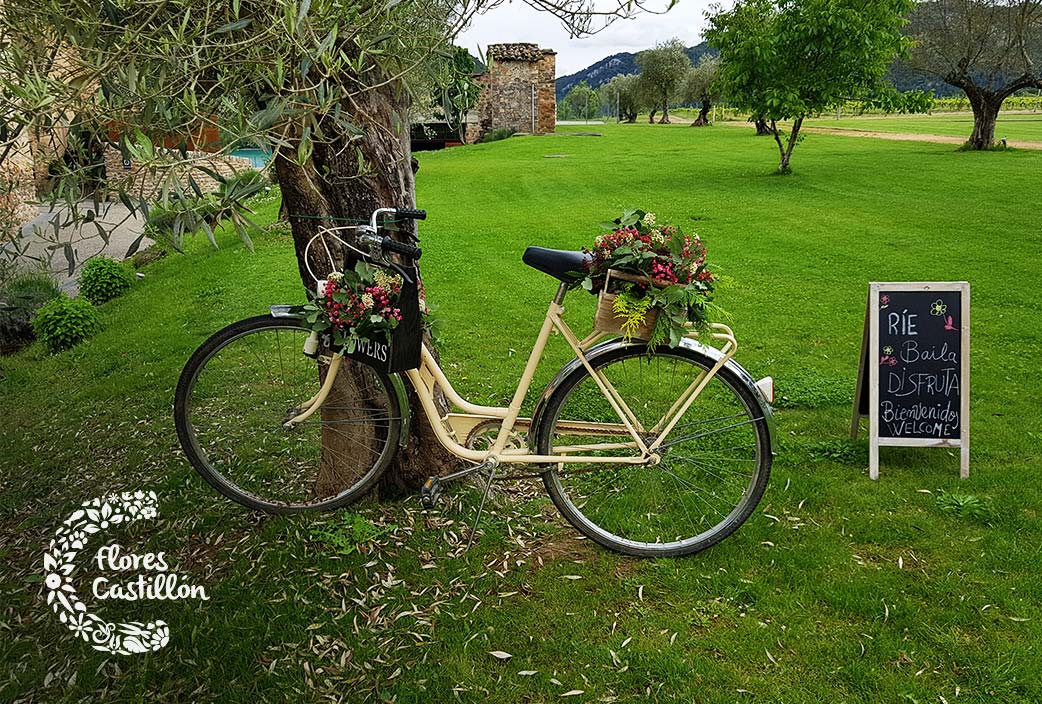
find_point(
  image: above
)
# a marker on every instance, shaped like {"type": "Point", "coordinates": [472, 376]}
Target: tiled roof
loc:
{"type": "Point", "coordinates": [516, 52]}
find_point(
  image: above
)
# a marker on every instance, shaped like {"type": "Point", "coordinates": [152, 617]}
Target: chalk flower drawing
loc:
{"type": "Point", "coordinates": [58, 564]}
{"type": "Point", "coordinates": [938, 308]}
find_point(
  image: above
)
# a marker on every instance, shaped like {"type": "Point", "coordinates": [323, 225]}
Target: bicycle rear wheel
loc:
{"type": "Point", "coordinates": [715, 462]}
{"type": "Point", "coordinates": [239, 388]}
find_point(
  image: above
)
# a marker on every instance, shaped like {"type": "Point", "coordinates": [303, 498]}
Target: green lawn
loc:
{"type": "Point", "coordinates": [838, 589]}
{"type": "Point", "coordinates": [1015, 126]}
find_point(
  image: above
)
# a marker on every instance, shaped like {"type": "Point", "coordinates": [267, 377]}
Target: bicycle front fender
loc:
{"type": "Point", "coordinates": [404, 410]}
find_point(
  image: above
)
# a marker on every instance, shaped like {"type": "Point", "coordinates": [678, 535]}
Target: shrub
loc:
{"type": "Point", "coordinates": [244, 184]}
{"type": "Point", "coordinates": [497, 135]}
{"type": "Point", "coordinates": [64, 322]}
{"type": "Point", "coordinates": [103, 279]}
{"type": "Point", "coordinates": [20, 297]}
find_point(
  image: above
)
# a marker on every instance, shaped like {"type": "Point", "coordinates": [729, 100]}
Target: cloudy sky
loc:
{"type": "Point", "coordinates": [517, 22]}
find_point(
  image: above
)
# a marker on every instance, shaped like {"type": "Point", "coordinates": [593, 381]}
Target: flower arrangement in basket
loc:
{"type": "Point", "coordinates": [356, 305]}
{"type": "Point", "coordinates": [652, 280]}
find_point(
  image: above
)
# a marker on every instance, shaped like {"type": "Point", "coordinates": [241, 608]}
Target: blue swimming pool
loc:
{"type": "Point", "coordinates": [258, 157]}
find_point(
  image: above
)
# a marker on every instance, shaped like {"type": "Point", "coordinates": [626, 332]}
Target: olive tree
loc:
{"type": "Point", "coordinates": [662, 73]}
{"type": "Point", "coordinates": [787, 59]}
{"type": "Point", "coordinates": [325, 85]}
{"type": "Point", "coordinates": [990, 49]}
{"type": "Point", "coordinates": [623, 95]}
{"type": "Point", "coordinates": [701, 88]}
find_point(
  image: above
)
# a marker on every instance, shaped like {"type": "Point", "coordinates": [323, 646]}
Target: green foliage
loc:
{"type": "Point", "coordinates": [846, 452]}
{"type": "Point", "coordinates": [103, 278]}
{"type": "Point", "coordinates": [183, 214]}
{"type": "Point", "coordinates": [455, 92]}
{"type": "Point", "coordinates": [498, 134]}
{"type": "Point", "coordinates": [633, 309]}
{"type": "Point", "coordinates": [700, 83]}
{"type": "Point", "coordinates": [20, 297]}
{"type": "Point", "coordinates": [582, 103]}
{"type": "Point", "coordinates": [662, 73]}
{"type": "Point", "coordinates": [967, 506]}
{"type": "Point", "coordinates": [790, 60]}
{"type": "Point", "coordinates": [352, 533]}
{"type": "Point", "coordinates": [64, 322]}
{"type": "Point", "coordinates": [624, 93]}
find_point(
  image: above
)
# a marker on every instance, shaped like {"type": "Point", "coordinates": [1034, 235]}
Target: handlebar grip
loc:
{"type": "Point", "coordinates": [410, 214]}
{"type": "Point", "coordinates": [408, 250]}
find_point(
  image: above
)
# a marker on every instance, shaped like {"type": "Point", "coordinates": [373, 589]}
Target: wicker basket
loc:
{"type": "Point", "coordinates": [607, 321]}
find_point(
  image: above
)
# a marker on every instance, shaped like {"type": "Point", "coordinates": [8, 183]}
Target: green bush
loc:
{"type": "Point", "coordinates": [20, 297]}
{"type": "Point", "coordinates": [64, 322]}
{"type": "Point", "coordinates": [497, 135]}
{"type": "Point", "coordinates": [103, 279]}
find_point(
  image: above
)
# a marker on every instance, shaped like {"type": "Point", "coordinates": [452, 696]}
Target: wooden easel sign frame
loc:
{"type": "Point", "coordinates": [924, 362]}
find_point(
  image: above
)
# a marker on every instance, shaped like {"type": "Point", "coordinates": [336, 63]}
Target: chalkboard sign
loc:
{"type": "Point", "coordinates": [915, 354]}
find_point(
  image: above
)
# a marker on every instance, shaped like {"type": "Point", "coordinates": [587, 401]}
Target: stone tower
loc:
{"type": "Point", "coordinates": [517, 91]}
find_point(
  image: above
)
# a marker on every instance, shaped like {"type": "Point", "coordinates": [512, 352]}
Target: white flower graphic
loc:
{"type": "Point", "coordinates": [58, 563]}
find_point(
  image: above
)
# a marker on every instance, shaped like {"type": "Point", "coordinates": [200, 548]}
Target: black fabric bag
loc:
{"type": "Point", "coordinates": [403, 350]}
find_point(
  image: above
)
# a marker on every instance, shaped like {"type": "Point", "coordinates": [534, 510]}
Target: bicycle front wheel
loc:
{"type": "Point", "coordinates": [715, 462]}
{"type": "Point", "coordinates": [245, 382]}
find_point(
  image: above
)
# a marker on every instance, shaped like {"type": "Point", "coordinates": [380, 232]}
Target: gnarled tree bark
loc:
{"type": "Point", "coordinates": [346, 179]}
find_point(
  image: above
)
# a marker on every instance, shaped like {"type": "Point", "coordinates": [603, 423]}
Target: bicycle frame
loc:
{"type": "Point", "coordinates": [452, 429]}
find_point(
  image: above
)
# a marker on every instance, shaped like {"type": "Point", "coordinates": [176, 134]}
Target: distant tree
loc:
{"type": "Point", "coordinates": [787, 59]}
{"type": "Point", "coordinates": [583, 101]}
{"type": "Point", "coordinates": [662, 73]}
{"type": "Point", "coordinates": [988, 48]}
{"type": "Point", "coordinates": [701, 86]}
{"type": "Point", "coordinates": [623, 92]}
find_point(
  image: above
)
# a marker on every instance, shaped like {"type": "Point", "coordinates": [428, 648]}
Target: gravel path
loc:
{"type": "Point", "coordinates": [38, 238]}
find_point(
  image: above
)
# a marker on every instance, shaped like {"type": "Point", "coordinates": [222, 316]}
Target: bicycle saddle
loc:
{"type": "Point", "coordinates": [561, 264]}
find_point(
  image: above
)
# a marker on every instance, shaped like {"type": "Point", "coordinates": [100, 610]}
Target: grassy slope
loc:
{"type": "Point", "coordinates": [806, 603]}
{"type": "Point", "coordinates": [1022, 126]}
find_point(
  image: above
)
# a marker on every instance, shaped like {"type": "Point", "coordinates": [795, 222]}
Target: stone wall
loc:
{"type": "Point", "coordinates": [517, 91]}
{"type": "Point", "coordinates": [146, 183]}
{"type": "Point", "coordinates": [17, 189]}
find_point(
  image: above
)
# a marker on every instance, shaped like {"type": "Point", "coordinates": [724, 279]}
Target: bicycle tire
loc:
{"type": "Point", "coordinates": [234, 435]}
{"type": "Point", "coordinates": [666, 510]}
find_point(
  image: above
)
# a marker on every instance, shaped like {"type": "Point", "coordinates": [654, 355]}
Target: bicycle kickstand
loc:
{"type": "Point", "coordinates": [430, 492]}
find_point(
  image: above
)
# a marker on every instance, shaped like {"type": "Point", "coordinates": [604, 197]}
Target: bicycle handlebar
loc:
{"type": "Point", "coordinates": [410, 214]}
{"type": "Point", "coordinates": [389, 245]}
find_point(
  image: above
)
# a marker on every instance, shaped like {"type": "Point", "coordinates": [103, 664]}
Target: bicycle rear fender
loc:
{"type": "Point", "coordinates": [694, 345]}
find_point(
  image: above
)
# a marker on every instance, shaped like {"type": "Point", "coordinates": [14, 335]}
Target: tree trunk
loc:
{"type": "Point", "coordinates": [665, 113]}
{"type": "Point", "coordinates": [762, 128]}
{"type": "Point", "coordinates": [348, 180]}
{"type": "Point", "coordinates": [703, 114]}
{"type": "Point", "coordinates": [986, 107]}
{"type": "Point", "coordinates": [651, 117]}
{"type": "Point", "coordinates": [631, 117]}
{"type": "Point", "coordinates": [786, 154]}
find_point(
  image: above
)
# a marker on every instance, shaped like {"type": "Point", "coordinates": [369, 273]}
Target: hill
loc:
{"type": "Point", "coordinates": [616, 65]}
{"type": "Point", "coordinates": [626, 62]}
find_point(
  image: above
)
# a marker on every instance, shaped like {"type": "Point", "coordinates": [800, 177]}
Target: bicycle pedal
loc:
{"type": "Point", "coordinates": [430, 492]}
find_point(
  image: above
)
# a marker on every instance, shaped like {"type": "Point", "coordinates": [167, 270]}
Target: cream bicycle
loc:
{"type": "Point", "coordinates": [650, 455]}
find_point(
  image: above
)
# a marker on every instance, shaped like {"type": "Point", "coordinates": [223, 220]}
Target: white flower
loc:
{"type": "Point", "coordinates": [367, 300]}
{"type": "Point", "coordinates": [649, 219]}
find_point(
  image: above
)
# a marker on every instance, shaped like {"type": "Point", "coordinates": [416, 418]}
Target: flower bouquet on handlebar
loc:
{"type": "Point", "coordinates": [652, 280]}
{"type": "Point", "coordinates": [357, 306]}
